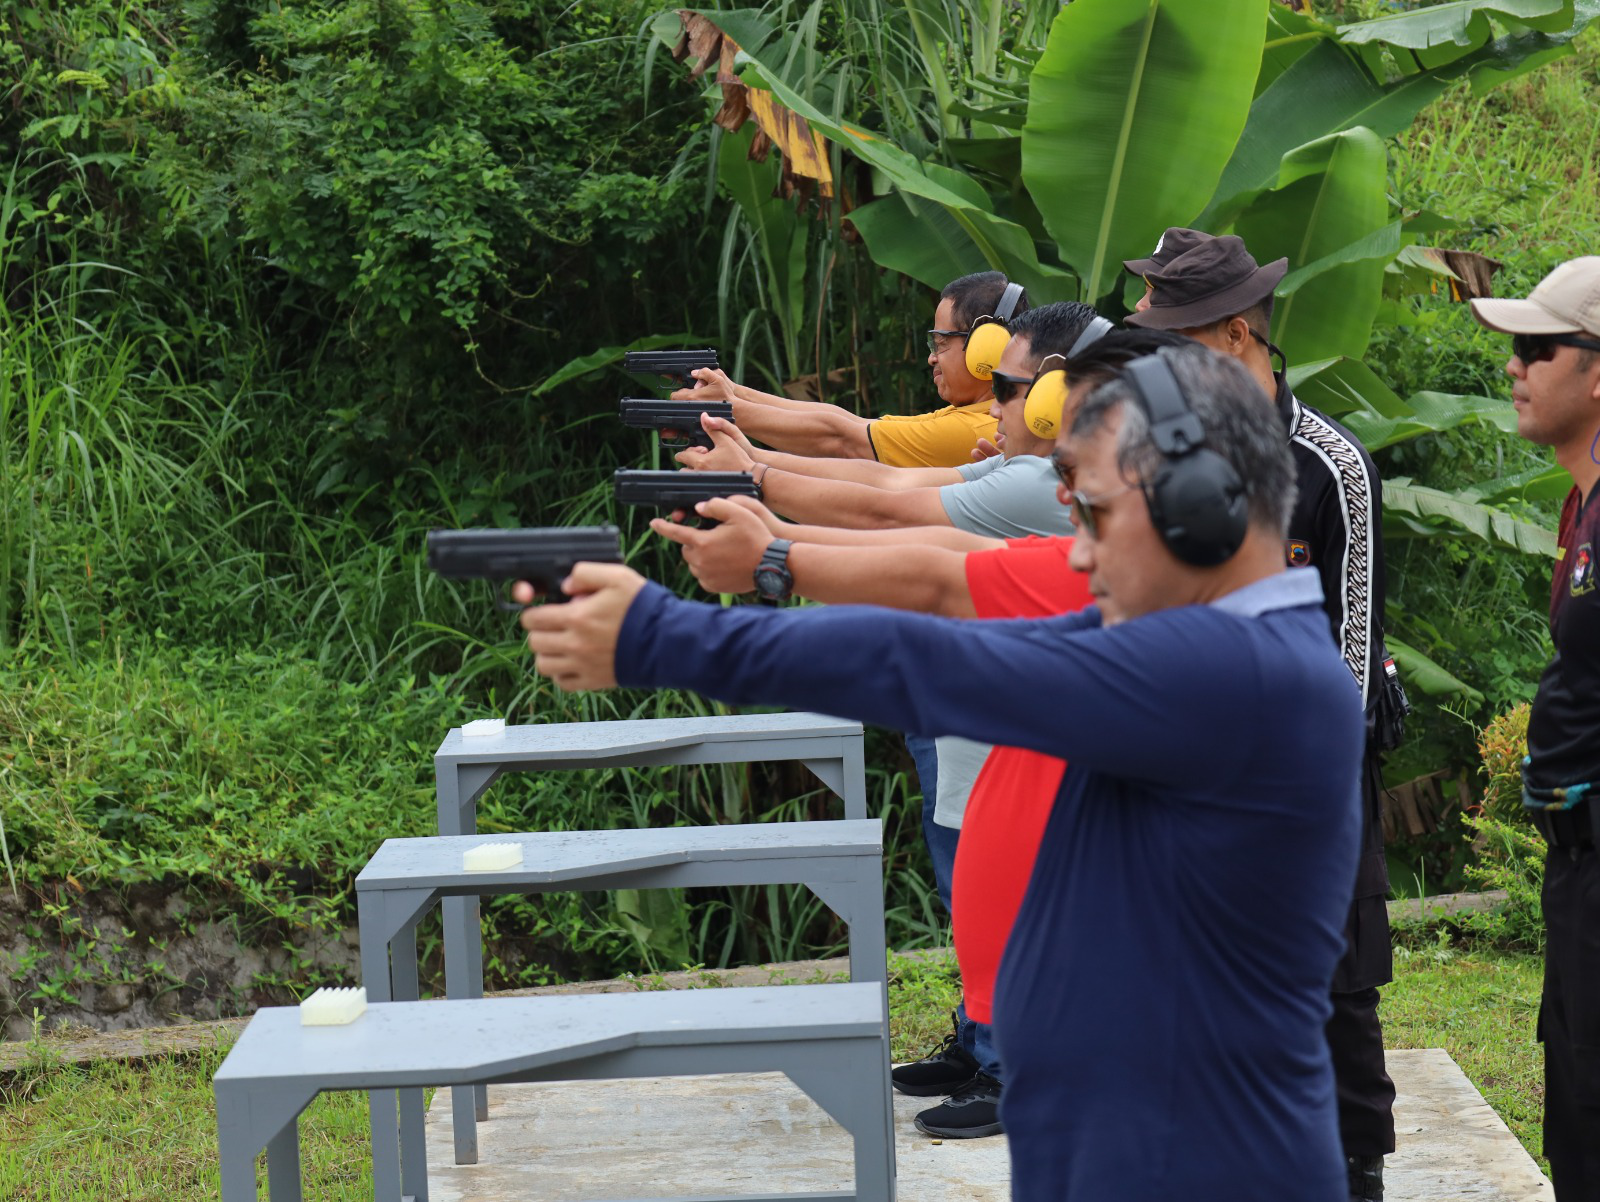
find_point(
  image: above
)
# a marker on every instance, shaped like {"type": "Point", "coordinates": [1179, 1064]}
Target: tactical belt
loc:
{"type": "Point", "coordinates": [1565, 816]}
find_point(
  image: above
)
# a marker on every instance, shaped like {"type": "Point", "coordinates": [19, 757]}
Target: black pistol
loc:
{"type": "Point", "coordinates": [543, 557]}
{"type": "Point", "coordinates": [668, 491]}
{"type": "Point", "coordinates": [675, 365]}
{"type": "Point", "coordinates": [680, 417]}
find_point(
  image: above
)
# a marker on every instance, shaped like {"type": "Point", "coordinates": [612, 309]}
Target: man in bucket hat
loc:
{"type": "Point", "coordinates": [1555, 373]}
{"type": "Point", "coordinates": [1212, 290]}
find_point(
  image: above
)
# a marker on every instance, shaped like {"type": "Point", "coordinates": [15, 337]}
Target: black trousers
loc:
{"type": "Point", "coordinates": [1355, 1036]}
{"type": "Point", "coordinates": [1569, 1021]}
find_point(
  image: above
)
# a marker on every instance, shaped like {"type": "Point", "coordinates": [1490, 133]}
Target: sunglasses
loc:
{"type": "Point", "coordinates": [1536, 348]}
{"type": "Point", "coordinates": [1008, 387]}
{"type": "Point", "coordinates": [939, 340]}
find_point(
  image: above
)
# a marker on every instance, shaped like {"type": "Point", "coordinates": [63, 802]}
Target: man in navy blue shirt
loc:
{"type": "Point", "coordinates": [1169, 972]}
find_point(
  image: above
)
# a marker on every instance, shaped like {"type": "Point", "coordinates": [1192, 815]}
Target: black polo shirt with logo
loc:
{"type": "Point", "coordinates": [1564, 728]}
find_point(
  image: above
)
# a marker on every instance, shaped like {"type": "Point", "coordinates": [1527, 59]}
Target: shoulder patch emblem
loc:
{"type": "Point", "coordinates": [1299, 553]}
{"type": "Point", "coordinates": [1583, 570]}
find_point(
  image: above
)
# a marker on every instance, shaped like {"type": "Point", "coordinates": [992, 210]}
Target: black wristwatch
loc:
{"type": "Point", "coordinates": [774, 581]}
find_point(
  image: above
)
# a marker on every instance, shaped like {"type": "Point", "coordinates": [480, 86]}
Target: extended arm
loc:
{"type": "Point", "coordinates": [1070, 689]}
{"type": "Point", "coordinates": [911, 576]}
{"type": "Point", "coordinates": [731, 452]}
{"type": "Point", "coordinates": [857, 506]}
{"type": "Point", "coordinates": [797, 427]}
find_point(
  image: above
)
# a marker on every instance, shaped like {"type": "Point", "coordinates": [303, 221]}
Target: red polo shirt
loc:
{"type": "Point", "coordinates": [1010, 803]}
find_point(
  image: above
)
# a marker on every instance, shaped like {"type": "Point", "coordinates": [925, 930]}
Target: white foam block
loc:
{"type": "Point", "coordinates": [333, 1007]}
{"type": "Point", "coordinates": [491, 857]}
{"type": "Point", "coordinates": [483, 728]}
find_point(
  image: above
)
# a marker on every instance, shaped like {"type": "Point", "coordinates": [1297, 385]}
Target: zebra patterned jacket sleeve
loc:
{"type": "Point", "coordinates": [1339, 513]}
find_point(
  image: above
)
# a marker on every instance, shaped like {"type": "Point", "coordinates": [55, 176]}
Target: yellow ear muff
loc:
{"type": "Point", "coordinates": [985, 342]}
{"type": "Point", "coordinates": [1041, 412]}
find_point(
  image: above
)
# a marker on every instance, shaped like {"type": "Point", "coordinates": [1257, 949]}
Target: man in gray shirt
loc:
{"type": "Point", "coordinates": [1011, 495]}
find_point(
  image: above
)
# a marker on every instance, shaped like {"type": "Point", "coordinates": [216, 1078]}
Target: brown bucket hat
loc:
{"type": "Point", "coordinates": [1176, 241]}
{"type": "Point", "coordinates": [1212, 281]}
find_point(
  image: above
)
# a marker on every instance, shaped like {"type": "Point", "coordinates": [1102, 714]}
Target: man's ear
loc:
{"type": "Point", "coordinates": [1238, 335]}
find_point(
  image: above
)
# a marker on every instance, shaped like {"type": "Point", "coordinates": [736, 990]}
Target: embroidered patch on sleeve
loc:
{"type": "Point", "coordinates": [1299, 553]}
{"type": "Point", "coordinates": [1583, 570]}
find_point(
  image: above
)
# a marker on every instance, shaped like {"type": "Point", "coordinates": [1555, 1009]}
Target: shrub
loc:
{"type": "Point", "coordinates": [1510, 853]}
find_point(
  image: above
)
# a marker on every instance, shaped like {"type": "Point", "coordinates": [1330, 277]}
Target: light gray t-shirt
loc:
{"type": "Point", "coordinates": [1006, 498]}
{"type": "Point", "coordinates": [959, 762]}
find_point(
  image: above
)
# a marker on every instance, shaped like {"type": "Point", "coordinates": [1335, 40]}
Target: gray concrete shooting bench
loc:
{"type": "Point", "coordinates": [830, 1040]}
{"type": "Point", "coordinates": [465, 767]}
{"type": "Point", "coordinates": [839, 861]}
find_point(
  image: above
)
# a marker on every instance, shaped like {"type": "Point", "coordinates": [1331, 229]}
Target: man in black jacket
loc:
{"type": "Point", "coordinates": [1213, 291]}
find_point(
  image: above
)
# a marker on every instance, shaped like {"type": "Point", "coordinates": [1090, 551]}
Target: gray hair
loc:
{"type": "Point", "coordinates": [1240, 424]}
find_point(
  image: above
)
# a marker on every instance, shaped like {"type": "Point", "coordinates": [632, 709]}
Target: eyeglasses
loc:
{"type": "Point", "coordinates": [1086, 509]}
{"type": "Point", "coordinates": [1535, 348]}
{"type": "Point", "coordinates": [939, 340]}
{"type": "Point", "coordinates": [1008, 387]}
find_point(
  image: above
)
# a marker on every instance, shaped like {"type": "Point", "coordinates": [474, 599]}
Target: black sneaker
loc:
{"type": "Point", "coordinates": [944, 1070]}
{"type": "Point", "coordinates": [1366, 1178]}
{"type": "Point", "coordinates": [969, 1113]}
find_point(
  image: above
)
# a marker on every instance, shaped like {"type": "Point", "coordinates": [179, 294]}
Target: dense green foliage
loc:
{"type": "Point", "coordinates": [284, 284]}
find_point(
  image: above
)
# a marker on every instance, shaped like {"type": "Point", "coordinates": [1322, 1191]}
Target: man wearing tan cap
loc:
{"type": "Point", "coordinates": [1212, 290]}
{"type": "Point", "coordinates": [1555, 373]}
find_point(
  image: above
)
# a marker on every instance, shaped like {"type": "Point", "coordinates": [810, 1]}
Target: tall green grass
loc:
{"type": "Point", "coordinates": [223, 676]}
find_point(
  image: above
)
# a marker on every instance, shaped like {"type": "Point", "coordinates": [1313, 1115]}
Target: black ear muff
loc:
{"type": "Point", "coordinates": [987, 338]}
{"type": "Point", "coordinates": [1195, 498]}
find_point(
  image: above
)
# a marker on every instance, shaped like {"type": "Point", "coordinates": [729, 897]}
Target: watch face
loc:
{"type": "Point", "coordinates": [772, 582]}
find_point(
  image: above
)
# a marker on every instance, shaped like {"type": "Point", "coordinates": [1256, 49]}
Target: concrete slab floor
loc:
{"type": "Point", "coordinates": [586, 1140]}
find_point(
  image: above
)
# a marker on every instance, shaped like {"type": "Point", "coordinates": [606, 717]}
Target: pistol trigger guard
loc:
{"type": "Point", "coordinates": [504, 603]}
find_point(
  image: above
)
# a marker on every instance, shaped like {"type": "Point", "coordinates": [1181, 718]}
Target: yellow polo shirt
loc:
{"type": "Point", "coordinates": [944, 438]}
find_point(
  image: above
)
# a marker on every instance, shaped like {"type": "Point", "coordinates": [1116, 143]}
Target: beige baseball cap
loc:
{"type": "Point", "coordinates": [1565, 302]}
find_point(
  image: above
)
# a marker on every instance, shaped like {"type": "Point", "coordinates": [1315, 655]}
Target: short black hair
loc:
{"type": "Point", "coordinates": [1052, 329]}
{"type": "Point", "coordinates": [978, 295]}
{"type": "Point", "coordinates": [1106, 356]}
{"type": "Point", "coordinates": [1258, 317]}
{"type": "Point", "coordinates": [1237, 426]}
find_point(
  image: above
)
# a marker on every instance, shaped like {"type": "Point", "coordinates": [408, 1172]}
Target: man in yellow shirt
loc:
{"type": "Point", "coordinates": [944, 438]}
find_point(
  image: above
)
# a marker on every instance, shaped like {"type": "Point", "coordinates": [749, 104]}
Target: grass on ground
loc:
{"type": "Point", "coordinates": [114, 1132]}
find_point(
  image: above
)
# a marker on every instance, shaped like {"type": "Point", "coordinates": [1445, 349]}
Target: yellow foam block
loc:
{"type": "Point", "coordinates": [491, 857]}
{"type": "Point", "coordinates": [333, 1007]}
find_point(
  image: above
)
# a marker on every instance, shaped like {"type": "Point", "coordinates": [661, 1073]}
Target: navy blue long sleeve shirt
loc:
{"type": "Point", "coordinates": [1161, 1003]}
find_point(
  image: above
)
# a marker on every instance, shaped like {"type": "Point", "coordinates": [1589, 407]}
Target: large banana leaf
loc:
{"type": "Point", "coordinates": [1341, 386]}
{"type": "Point", "coordinates": [1327, 89]}
{"type": "Point", "coordinates": [1430, 412]}
{"type": "Point", "coordinates": [998, 244]}
{"type": "Point", "coordinates": [1427, 676]}
{"type": "Point", "coordinates": [1544, 483]}
{"type": "Point", "coordinates": [1330, 195]}
{"type": "Point", "coordinates": [1416, 509]}
{"type": "Point", "coordinates": [1463, 24]}
{"type": "Point", "coordinates": [1133, 109]}
{"type": "Point", "coordinates": [1289, 36]}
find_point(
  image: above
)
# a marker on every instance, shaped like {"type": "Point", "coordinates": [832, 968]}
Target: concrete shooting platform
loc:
{"type": "Point", "coordinates": [704, 1136]}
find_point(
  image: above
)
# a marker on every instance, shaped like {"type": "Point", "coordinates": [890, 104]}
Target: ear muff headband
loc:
{"type": "Point", "coordinates": [988, 336]}
{"type": "Point", "coordinates": [1196, 499]}
{"type": "Point", "coordinates": [1041, 412]}
{"type": "Point", "coordinates": [1048, 396]}
{"type": "Point", "coordinates": [1097, 329]}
